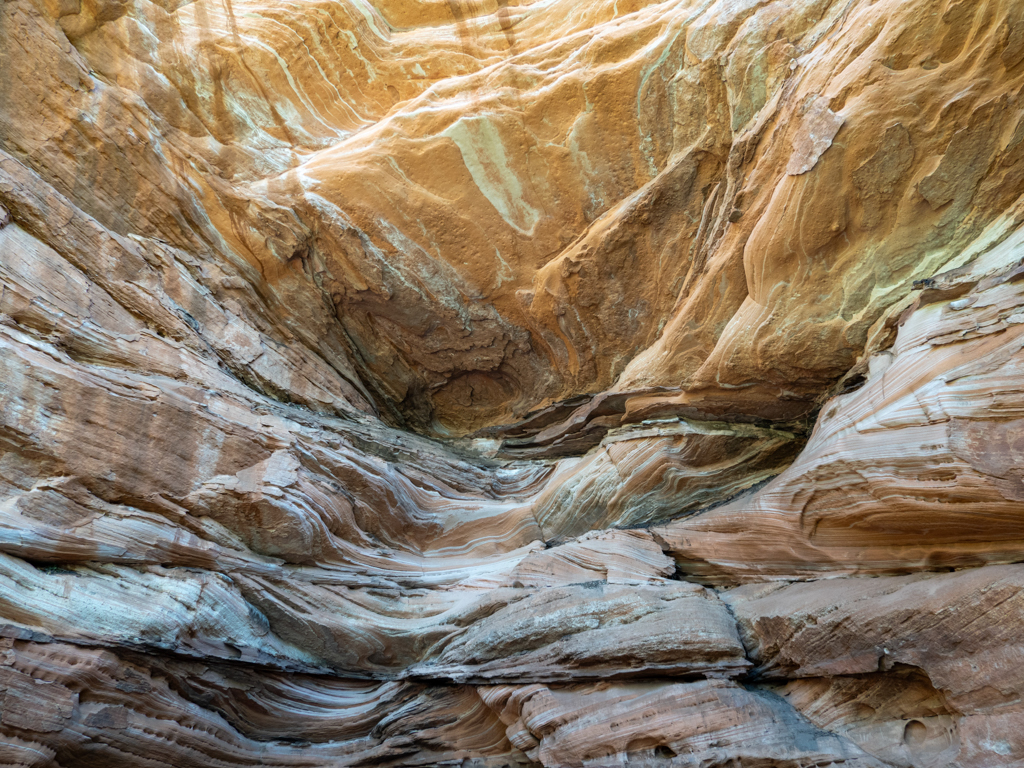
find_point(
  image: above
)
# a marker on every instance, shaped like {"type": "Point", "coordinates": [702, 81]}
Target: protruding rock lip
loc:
{"type": "Point", "coordinates": [953, 355]}
{"type": "Point", "coordinates": [596, 631]}
{"type": "Point", "coordinates": [577, 425]}
{"type": "Point", "coordinates": [503, 674]}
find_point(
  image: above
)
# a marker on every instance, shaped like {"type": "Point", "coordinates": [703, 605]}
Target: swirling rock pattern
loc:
{"type": "Point", "coordinates": [500, 383]}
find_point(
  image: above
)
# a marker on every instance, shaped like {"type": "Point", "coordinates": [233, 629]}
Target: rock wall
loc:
{"type": "Point", "coordinates": [503, 383]}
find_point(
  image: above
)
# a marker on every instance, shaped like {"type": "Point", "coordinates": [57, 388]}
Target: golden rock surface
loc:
{"type": "Point", "coordinates": [500, 383]}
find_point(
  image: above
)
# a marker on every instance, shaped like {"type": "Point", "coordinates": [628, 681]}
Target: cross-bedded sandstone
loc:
{"type": "Point", "coordinates": [378, 378]}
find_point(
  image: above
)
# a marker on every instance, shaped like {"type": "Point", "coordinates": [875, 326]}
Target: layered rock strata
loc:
{"type": "Point", "coordinates": [511, 383]}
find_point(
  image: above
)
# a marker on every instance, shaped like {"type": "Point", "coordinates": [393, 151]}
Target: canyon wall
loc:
{"type": "Point", "coordinates": [502, 383]}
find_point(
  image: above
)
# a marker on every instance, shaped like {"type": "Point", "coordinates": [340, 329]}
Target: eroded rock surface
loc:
{"type": "Point", "coordinates": [496, 384]}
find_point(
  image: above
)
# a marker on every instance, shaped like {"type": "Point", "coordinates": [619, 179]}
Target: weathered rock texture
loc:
{"type": "Point", "coordinates": [503, 383]}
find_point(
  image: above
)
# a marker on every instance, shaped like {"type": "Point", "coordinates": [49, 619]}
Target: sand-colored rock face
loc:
{"type": "Point", "coordinates": [497, 383]}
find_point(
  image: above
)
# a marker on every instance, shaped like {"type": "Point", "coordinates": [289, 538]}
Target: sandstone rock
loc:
{"type": "Point", "coordinates": [898, 716]}
{"type": "Point", "coordinates": [868, 625]}
{"type": "Point", "coordinates": [916, 469]}
{"type": "Point", "coordinates": [947, 641]}
{"type": "Point", "coordinates": [709, 723]}
{"type": "Point", "coordinates": [596, 631]}
{"type": "Point", "coordinates": [373, 374]}
{"type": "Point", "coordinates": [819, 126]}
{"type": "Point", "coordinates": [484, 292]}
{"type": "Point", "coordinates": [614, 556]}
{"type": "Point", "coordinates": [108, 708]}
{"type": "Point", "coordinates": [650, 472]}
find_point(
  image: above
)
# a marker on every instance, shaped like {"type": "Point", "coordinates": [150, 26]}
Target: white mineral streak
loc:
{"type": "Point", "coordinates": [819, 125]}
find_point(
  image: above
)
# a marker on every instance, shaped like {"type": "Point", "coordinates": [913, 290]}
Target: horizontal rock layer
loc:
{"type": "Point", "coordinates": [501, 384]}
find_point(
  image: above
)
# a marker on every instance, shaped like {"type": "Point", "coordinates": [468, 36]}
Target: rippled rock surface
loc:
{"type": "Point", "coordinates": [501, 383]}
